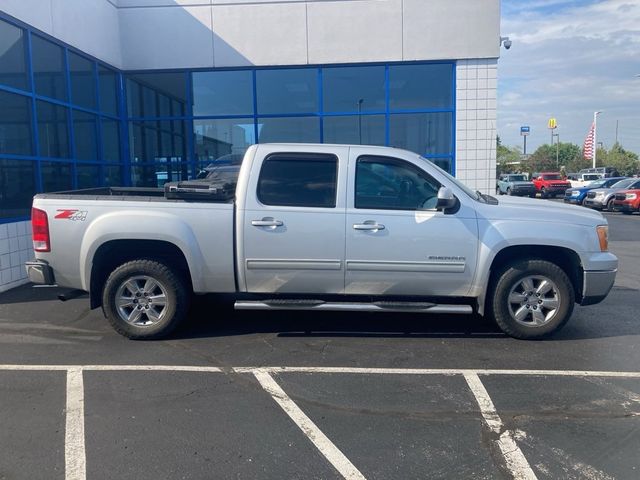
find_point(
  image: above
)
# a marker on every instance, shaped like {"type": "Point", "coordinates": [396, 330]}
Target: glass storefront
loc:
{"type": "Point", "coordinates": [61, 125]}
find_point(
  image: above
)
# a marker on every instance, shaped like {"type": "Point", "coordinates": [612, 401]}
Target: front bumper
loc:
{"type": "Point", "coordinates": [623, 207]}
{"type": "Point", "coordinates": [597, 285]}
{"type": "Point", "coordinates": [523, 192]}
{"type": "Point", "coordinates": [39, 272]}
{"type": "Point", "coordinates": [593, 203]}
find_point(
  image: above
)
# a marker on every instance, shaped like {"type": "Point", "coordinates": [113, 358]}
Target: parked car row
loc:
{"type": "Point", "coordinates": [612, 194]}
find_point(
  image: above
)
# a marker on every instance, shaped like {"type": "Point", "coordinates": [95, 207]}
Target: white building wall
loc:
{"type": "Point", "coordinates": [16, 248]}
{"type": "Point", "coordinates": [89, 25]}
{"type": "Point", "coordinates": [476, 123]}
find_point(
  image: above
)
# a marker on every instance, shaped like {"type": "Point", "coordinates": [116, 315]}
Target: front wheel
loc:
{"type": "Point", "coordinates": [531, 299]}
{"type": "Point", "coordinates": [609, 206]}
{"type": "Point", "coordinates": [509, 192]}
{"type": "Point", "coordinates": [543, 192]}
{"type": "Point", "coordinates": [144, 299]}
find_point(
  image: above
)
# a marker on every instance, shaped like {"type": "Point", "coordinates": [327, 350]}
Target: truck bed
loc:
{"type": "Point", "coordinates": [138, 194]}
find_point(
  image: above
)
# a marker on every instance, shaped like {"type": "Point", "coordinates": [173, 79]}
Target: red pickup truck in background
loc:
{"type": "Point", "coordinates": [550, 184]}
{"type": "Point", "coordinates": [627, 201]}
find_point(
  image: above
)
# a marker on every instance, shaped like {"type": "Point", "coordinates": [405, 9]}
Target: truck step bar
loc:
{"type": "Point", "coordinates": [415, 307]}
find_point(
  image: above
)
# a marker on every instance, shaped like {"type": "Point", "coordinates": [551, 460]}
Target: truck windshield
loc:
{"type": "Point", "coordinates": [475, 195]}
{"type": "Point", "coordinates": [555, 176]}
{"type": "Point", "coordinates": [517, 178]}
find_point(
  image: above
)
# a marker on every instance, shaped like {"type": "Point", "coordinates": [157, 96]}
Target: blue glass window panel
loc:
{"type": "Point", "coordinates": [145, 89]}
{"type": "Point", "coordinates": [48, 68]}
{"type": "Point", "coordinates": [15, 124]}
{"type": "Point", "coordinates": [222, 139]}
{"type": "Point", "coordinates": [17, 187]}
{"type": "Point", "coordinates": [420, 86]}
{"type": "Point", "coordinates": [56, 176]}
{"type": "Point", "coordinates": [108, 84]}
{"type": "Point", "coordinates": [443, 163]}
{"type": "Point", "coordinates": [53, 129]}
{"type": "Point", "coordinates": [355, 129]}
{"type": "Point", "coordinates": [113, 175]}
{"type": "Point", "coordinates": [110, 140]}
{"type": "Point", "coordinates": [158, 175]}
{"type": "Point", "coordinates": [89, 176]}
{"type": "Point", "coordinates": [291, 129]}
{"type": "Point", "coordinates": [223, 93]}
{"type": "Point", "coordinates": [85, 135]}
{"type": "Point", "coordinates": [292, 90]}
{"type": "Point", "coordinates": [353, 89]}
{"type": "Point", "coordinates": [83, 81]}
{"type": "Point", "coordinates": [13, 68]}
{"type": "Point", "coordinates": [422, 133]}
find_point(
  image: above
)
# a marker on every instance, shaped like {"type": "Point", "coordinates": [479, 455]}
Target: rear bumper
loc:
{"type": "Point", "coordinates": [597, 285]}
{"type": "Point", "coordinates": [40, 272]}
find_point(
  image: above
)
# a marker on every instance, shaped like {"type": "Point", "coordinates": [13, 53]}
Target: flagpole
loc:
{"type": "Point", "coordinates": [595, 141]}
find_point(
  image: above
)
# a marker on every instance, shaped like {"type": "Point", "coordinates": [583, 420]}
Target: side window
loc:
{"type": "Point", "coordinates": [384, 183]}
{"type": "Point", "coordinates": [298, 180]}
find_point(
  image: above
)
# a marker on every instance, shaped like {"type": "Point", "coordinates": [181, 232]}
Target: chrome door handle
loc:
{"type": "Point", "coordinates": [368, 225]}
{"type": "Point", "coordinates": [267, 222]}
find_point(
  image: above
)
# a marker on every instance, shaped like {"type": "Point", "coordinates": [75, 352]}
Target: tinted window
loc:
{"type": "Point", "coordinates": [83, 81]}
{"type": "Point", "coordinates": [216, 139]}
{"type": "Point", "coordinates": [287, 90]}
{"type": "Point", "coordinates": [423, 133]}
{"type": "Point", "coordinates": [53, 130]}
{"type": "Point", "coordinates": [15, 124]}
{"type": "Point", "coordinates": [551, 177]}
{"type": "Point", "coordinates": [292, 129]}
{"type": "Point", "coordinates": [56, 176]}
{"type": "Point", "coordinates": [420, 86]}
{"type": "Point", "coordinates": [146, 92]}
{"type": "Point", "coordinates": [85, 128]}
{"type": "Point", "coordinates": [108, 90]}
{"type": "Point", "coordinates": [354, 129]}
{"type": "Point", "coordinates": [17, 186]}
{"type": "Point", "coordinates": [13, 70]}
{"type": "Point", "coordinates": [353, 89]}
{"type": "Point", "coordinates": [223, 93]}
{"type": "Point", "coordinates": [623, 183]}
{"type": "Point", "coordinates": [390, 184]}
{"type": "Point", "coordinates": [110, 140]}
{"type": "Point", "coordinates": [48, 68]}
{"type": "Point", "coordinates": [89, 176]}
{"type": "Point", "coordinates": [299, 180]}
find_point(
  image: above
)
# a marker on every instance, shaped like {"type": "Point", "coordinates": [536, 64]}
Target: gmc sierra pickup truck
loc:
{"type": "Point", "coordinates": [322, 227]}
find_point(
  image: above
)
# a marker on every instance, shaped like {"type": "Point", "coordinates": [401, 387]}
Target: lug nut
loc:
{"type": "Point", "coordinates": [135, 300]}
{"type": "Point", "coordinates": [540, 302]}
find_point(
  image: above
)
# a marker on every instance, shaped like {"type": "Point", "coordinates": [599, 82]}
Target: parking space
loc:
{"type": "Point", "coordinates": [360, 395]}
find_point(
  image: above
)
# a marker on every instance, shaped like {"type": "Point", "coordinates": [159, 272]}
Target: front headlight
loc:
{"type": "Point", "coordinates": [630, 196]}
{"type": "Point", "coordinates": [575, 193]}
{"type": "Point", "coordinates": [599, 194]}
{"type": "Point", "coordinates": [603, 237]}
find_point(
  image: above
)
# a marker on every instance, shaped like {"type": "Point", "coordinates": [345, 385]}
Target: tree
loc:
{"type": "Point", "coordinates": [544, 158]}
{"type": "Point", "coordinates": [624, 161]}
{"type": "Point", "coordinates": [507, 158]}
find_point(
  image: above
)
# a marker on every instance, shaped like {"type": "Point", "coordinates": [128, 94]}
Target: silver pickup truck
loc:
{"type": "Point", "coordinates": [324, 227]}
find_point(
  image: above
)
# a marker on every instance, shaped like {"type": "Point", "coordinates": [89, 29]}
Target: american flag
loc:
{"type": "Point", "coordinates": [587, 148]}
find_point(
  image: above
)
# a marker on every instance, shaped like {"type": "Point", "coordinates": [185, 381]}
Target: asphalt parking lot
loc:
{"type": "Point", "coordinates": [321, 395]}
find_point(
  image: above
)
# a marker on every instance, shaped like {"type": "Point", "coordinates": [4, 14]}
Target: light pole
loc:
{"type": "Point", "coordinates": [557, 135]}
{"type": "Point", "coordinates": [595, 143]}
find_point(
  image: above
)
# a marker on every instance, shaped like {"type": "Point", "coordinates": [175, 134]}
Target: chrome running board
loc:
{"type": "Point", "coordinates": [413, 307]}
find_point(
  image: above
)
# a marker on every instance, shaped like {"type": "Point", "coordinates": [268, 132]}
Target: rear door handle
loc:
{"type": "Point", "coordinates": [370, 225]}
{"type": "Point", "coordinates": [267, 222]}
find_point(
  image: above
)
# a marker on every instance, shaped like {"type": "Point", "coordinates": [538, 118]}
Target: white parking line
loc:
{"type": "Point", "coordinates": [513, 456]}
{"type": "Point", "coordinates": [312, 432]}
{"type": "Point", "coordinates": [74, 453]}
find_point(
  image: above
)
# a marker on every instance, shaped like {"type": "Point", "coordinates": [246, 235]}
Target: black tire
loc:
{"type": "Point", "coordinates": [627, 212]}
{"type": "Point", "coordinates": [508, 279]}
{"type": "Point", "coordinates": [509, 192]}
{"type": "Point", "coordinates": [171, 289]}
{"type": "Point", "coordinates": [543, 193]}
{"type": "Point", "coordinates": [609, 206]}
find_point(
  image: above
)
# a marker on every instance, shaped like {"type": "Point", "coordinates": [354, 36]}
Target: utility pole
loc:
{"type": "Point", "coordinates": [616, 131]}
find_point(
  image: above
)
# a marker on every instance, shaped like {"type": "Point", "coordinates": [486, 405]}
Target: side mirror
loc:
{"type": "Point", "coordinates": [446, 200]}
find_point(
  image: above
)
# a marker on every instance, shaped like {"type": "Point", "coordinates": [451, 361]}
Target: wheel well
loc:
{"type": "Point", "coordinates": [565, 258]}
{"type": "Point", "coordinates": [112, 254]}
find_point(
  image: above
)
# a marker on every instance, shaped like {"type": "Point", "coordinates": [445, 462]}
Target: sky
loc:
{"type": "Point", "coordinates": [568, 59]}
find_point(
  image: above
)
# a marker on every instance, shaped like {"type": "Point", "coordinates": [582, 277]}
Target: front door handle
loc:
{"type": "Point", "coordinates": [267, 222]}
{"type": "Point", "coordinates": [370, 225]}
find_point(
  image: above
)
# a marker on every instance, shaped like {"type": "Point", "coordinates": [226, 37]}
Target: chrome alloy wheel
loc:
{"type": "Point", "coordinates": [534, 300]}
{"type": "Point", "coordinates": [141, 300]}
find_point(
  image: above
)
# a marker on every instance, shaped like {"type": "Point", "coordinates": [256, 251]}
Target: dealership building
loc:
{"type": "Point", "coordinates": [140, 92]}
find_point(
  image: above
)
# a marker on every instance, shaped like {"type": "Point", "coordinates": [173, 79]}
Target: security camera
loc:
{"type": "Point", "coordinates": [507, 44]}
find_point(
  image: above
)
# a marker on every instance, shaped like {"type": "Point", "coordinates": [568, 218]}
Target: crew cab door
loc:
{"type": "Point", "coordinates": [292, 235]}
{"type": "Point", "coordinates": [397, 243]}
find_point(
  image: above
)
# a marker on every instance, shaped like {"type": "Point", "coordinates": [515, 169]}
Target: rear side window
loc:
{"type": "Point", "coordinates": [298, 180]}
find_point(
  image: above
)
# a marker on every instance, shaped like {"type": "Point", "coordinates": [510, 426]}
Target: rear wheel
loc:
{"type": "Point", "coordinates": [509, 192]}
{"type": "Point", "coordinates": [144, 299]}
{"type": "Point", "coordinates": [609, 206]}
{"type": "Point", "coordinates": [531, 299]}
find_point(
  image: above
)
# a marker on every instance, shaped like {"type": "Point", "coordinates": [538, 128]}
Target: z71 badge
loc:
{"type": "Point", "coordinates": [75, 215]}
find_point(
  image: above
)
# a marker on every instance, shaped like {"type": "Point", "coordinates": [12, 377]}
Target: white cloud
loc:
{"type": "Point", "coordinates": [569, 59]}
